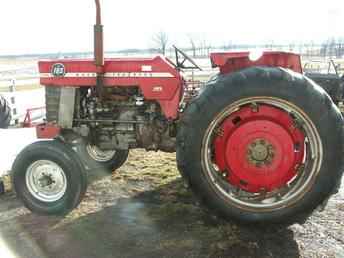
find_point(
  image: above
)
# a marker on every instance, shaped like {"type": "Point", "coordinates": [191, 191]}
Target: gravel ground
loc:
{"type": "Point", "coordinates": [144, 210]}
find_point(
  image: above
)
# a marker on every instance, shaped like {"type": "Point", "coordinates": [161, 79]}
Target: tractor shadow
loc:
{"type": "Point", "coordinates": [163, 222]}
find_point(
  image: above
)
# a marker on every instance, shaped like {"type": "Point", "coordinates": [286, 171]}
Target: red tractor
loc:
{"type": "Point", "coordinates": [260, 142]}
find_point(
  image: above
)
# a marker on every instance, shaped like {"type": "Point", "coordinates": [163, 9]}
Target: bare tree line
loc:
{"type": "Point", "coordinates": [160, 39]}
{"type": "Point", "coordinates": [200, 47]}
{"type": "Point", "coordinates": [333, 48]}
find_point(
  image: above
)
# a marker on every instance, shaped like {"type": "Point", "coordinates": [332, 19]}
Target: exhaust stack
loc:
{"type": "Point", "coordinates": [98, 38]}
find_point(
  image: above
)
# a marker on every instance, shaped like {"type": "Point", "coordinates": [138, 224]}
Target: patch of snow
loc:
{"type": "Point", "coordinates": [12, 142]}
{"type": "Point", "coordinates": [25, 100]}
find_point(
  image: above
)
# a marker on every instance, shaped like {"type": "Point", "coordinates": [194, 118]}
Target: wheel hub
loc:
{"type": "Point", "coordinates": [260, 152]}
{"type": "Point", "coordinates": [259, 149]}
{"type": "Point", "coordinates": [46, 180]}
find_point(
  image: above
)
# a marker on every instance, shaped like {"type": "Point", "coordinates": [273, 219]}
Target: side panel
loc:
{"type": "Point", "coordinates": [156, 77]}
{"type": "Point", "coordinates": [66, 107]}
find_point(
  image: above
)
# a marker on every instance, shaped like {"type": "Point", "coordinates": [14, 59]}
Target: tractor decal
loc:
{"type": "Point", "coordinates": [58, 70]}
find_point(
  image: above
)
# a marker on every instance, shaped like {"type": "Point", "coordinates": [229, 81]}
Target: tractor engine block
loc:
{"type": "Point", "coordinates": [121, 120]}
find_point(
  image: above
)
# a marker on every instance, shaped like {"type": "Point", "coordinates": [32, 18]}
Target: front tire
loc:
{"type": "Point", "coordinates": [267, 146]}
{"type": "Point", "coordinates": [49, 178]}
{"type": "Point", "coordinates": [110, 160]}
{"type": "Point", "coordinates": [92, 156]}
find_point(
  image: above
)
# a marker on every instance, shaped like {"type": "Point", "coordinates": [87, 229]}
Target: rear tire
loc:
{"type": "Point", "coordinates": [320, 120]}
{"type": "Point", "coordinates": [5, 113]}
{"type": "Point", "coordinates": [49, 178]}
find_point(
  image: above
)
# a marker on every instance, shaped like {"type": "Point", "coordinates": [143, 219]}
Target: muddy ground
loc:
{"type": "Point", "coordinates": [144, 210]}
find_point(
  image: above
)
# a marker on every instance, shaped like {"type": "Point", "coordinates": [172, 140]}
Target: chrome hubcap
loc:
{"type": "Point", "coordinates": [46, 181]}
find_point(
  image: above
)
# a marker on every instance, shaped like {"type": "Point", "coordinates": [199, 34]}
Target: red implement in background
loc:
{"type": "Point", "coordinates": [28, 120]}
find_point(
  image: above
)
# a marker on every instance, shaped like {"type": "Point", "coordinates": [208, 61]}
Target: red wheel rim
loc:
{"type": "Point", "coordinates": [259, 149]}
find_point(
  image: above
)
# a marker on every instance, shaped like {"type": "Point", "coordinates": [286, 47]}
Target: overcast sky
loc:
{"type": "Point", "coordinates": [40, 26]}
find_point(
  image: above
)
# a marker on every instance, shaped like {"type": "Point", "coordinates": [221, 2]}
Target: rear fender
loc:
{"type": "Point", "coordinates": [235, 61]}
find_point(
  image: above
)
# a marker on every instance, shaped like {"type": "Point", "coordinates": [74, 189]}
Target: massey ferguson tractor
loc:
{"type": "Point", "coordinates": [260, 142]}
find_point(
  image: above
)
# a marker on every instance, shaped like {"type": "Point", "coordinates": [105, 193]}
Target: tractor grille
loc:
{"type": "Point", "coordinates": [52, 100]}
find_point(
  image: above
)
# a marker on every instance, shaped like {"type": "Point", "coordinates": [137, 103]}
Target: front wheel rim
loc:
{"type": "Point", "coordinates": [46, 181]}
{"type": "Point", "coordinates": [249, 198]}
{"type": "Point", "coordinates": [99, 155]}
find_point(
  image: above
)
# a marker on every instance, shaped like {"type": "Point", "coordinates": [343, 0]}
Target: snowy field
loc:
{"type": "Point", "coordinates": [25, 100]}
{"type": "Point", "coordinates": [14, 140]}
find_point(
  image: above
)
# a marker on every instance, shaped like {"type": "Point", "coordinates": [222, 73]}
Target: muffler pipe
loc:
{"type": "Point", "coordinates": [98, 38]}
{"type": "Point", "coordinates": [99, 50]}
